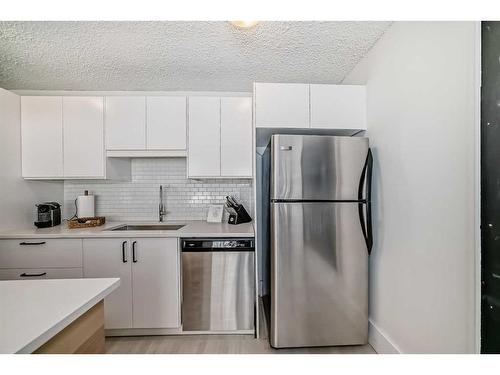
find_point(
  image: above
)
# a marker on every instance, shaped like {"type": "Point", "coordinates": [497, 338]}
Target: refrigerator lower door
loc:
{"type": "Point", "coordinates": [319, 275]}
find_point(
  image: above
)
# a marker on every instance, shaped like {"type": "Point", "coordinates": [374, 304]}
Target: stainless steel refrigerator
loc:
{"type": "Point", "coordinates": [320, 239]}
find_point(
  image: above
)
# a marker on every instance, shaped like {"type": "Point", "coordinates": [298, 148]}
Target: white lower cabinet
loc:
{"type": "Point", "coordinates": [40, 258]}
{"type": "Point", "coordinates": [156, 283]}
{"type": "Point", "coordinates": [40, 273]}
{"type": "Point", "coordinates": [41, 253]}
{"type": "Point", "coordinates": [149, 272]}
{"type": "Point", "coordinates": [110, 257]}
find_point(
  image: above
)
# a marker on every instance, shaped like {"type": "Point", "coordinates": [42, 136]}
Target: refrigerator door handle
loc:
{"type": "Point", "coordinates": [365, 181]}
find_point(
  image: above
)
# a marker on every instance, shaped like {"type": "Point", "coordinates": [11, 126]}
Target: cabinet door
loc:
{"type": "Point", "coordinates": [281, 105]}
{"type": "Point", "coordinates": [41, 136]}
{"type": "Point", "coordinates": [83, 126]}
{"type": "Point", "coordinates": [204, 137]}
{"type": "Point", "coordinates": [236, 137]}
{"type": "Point", "coordinates": [338, 106]}
{"type": "Point", "coordinates": [125, 122]}
{"type": "Point", "coordinates": [105, 258]}
{"type": "Point", "coordinates": [156, 283]}
{"type": "Point", "coordinates": [166, 122]}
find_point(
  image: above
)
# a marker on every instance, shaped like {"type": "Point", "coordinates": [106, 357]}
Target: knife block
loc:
{"type": "Point", "coordinates": [238, 215]}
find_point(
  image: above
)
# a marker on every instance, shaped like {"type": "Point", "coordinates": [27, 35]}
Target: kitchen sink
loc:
{"type": "Point", "coordinates": [149, 227]}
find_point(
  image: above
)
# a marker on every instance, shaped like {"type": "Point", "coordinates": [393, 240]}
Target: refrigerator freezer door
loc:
{"type": "Point", "coordinates": [319, 282]}
{"type": "Point", "coordinates": [312, 167]}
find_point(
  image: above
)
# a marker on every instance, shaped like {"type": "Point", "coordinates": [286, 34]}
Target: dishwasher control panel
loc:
{"type": "Point", "coordinates": [217, 244]}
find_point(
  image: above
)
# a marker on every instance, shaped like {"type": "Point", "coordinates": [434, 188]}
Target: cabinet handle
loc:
{"type": "Point", "coordinates": [31, 243]}
{"type": "Point", "coordinates": [24, 274]}
{"type": "Point", "coordinates": [134, 259]}
{"type": "Point", "coordinates": [124, 256]}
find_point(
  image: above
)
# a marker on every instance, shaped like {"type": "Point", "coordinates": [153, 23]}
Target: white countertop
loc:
{"type": "Point", "coordinates": [34, 311]}
{"type": "Point", "coordinates": [191, 229]}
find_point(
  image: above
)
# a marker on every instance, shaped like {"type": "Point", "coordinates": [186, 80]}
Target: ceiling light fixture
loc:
{"type": "Point", "coordinates": [244, 24]}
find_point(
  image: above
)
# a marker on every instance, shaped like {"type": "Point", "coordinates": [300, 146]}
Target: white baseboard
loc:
{"type": "Point", "coordinates": [380, 342]}
{"type": "Point", "coordinates": [170, 332]}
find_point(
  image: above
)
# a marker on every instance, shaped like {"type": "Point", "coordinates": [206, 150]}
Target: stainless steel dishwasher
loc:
{"type": "Point", "coordinates": [218, 284]}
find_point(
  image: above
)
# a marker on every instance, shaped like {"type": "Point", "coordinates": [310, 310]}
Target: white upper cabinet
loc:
{"type": "Point", "coordinates": [281, 105]}
{"type": "Point", "coordinates": [338, 106]}
{"type": "Point", "coordinates": [236, 137]}
{"type": "Point", "coordinates": [125, 123]}
{"type": "Point", "coordinates": [87, 135]}
{"type": "Point", "coordinates": [315, 106]}
{"type": "Point", "coordinates": [63, 138]}
{"type": "Point", "coordinates": [41, 134]}
{"type": "Point", "coordinates": [83, 129]}
{"type": "Point", "coordinates": [204, 137]}
{"type": "Point", "coordinates": [220, 137]}
{"type": "Point", "coordinates": [166, 122]}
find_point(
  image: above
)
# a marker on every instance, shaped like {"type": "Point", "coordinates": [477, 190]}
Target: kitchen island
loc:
{"type": "Point", "coordinates": [53, 316]}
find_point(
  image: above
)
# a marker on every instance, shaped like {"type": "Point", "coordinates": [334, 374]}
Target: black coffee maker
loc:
{"type": "Point", "coordinates": [49, 214]}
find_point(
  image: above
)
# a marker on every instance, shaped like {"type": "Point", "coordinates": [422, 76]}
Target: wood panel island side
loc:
{"type": "Point", "coordinates": [63, 316]}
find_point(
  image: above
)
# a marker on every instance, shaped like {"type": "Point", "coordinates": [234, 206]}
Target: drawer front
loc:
{"type": "Point", "coordinates": [40, 273]}
{"type": "Point", "coordinates": [40, 253]}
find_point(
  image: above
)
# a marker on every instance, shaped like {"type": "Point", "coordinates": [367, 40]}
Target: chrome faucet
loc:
{"type": "Point", "coordinates": [161, 206]}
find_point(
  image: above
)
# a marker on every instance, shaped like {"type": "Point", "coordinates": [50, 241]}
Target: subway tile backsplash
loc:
{"type": "Point", "coordinates": [137, 200]}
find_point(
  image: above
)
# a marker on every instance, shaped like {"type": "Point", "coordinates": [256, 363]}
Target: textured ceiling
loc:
{"type": "Point", "coordinates": [178, 55]}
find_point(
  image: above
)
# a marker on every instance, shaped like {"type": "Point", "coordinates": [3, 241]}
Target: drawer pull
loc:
{"type": "Point", "coordinates": [31, 243]}
{"type": "Point", "coordinates": [24, 274]}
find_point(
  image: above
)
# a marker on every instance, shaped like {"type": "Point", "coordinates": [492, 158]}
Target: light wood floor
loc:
{"type": "Point", "coordinates": [216, 344]}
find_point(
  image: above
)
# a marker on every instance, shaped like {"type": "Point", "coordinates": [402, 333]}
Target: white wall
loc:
{"type": "Point", "coordinates": [17, 196]}
{"type": "Point", "coordinates": [421, 86]}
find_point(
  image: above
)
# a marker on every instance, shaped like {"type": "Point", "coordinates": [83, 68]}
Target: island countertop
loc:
{"type": "Point", "coordinates": [191, 228]}
{"type": "Point", "coordinates": [34, 311]}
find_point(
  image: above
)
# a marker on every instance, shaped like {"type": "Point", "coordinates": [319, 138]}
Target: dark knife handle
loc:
{"type": "Point", "coordinates": [232, 202]}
